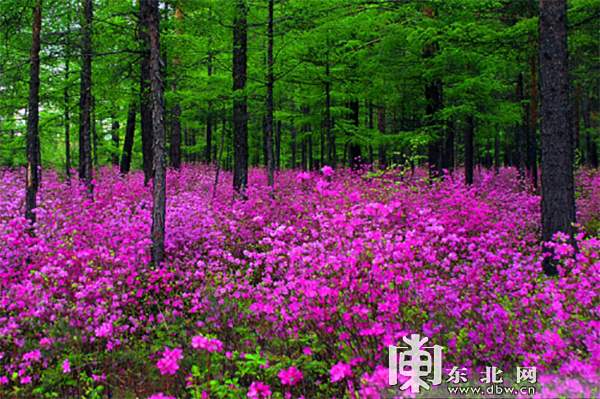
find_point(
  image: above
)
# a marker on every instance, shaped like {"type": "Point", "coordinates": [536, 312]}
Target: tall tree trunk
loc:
{"type": "Point", "coordinates": [448, 158]}
{"type": "Point", "coordinates": [497, 150]}
{"type": "Point", "coordinates": [353, 148]}
{"type": "Point", "coordinates": [32, 180]}
{"type": "Point", "coordinates": [278, 146]}
{"type": "Point", "coordinates": [207, 151]}
{"type": "Point", "coordinates": [145, 96]}
{"type": "Point", "coordinates": [311, 160]}
{"type": "Point", "coordinates": [381, 127]}
{"type": "Point", "coordinates": [270, 85]}
{"type": "Point", "coordinates": [158, 127]}
{"type": "Point", "coordinates": [85, 127]}
{"type": "Point", "coordinates": [576, 120]}
{"type": "Point", "coordinates": [293, 144]}
{"type": "Point", "coordinates": [94, 133]}
{"type": "Point", "coordinates": [558, 185]}
{"type": "Point", "coordinates": [469, 153]}
{"type": "Point", "coordinates": [328, 124]}
{"type": "Point", "coordinates": [433, 98]}
{"type": "Point", "coordinates": [587, 125]}
{"type": "Point", "coordinates": [520, 138]}
{"type": "Point", "coordinates": [67, 123]}
{"type": "Point", "coordinates": [240, 117]}
{"type": "Point", "coordinates": [115, 138]}
{"type": "Point", "coordinates": [128, 144]}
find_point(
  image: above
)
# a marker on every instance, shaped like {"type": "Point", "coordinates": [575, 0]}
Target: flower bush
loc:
{"type": "Point", "coordinates": [301, 291]}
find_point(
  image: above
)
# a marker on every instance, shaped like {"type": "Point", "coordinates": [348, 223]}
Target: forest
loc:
{"type": "Point", "coordinates": [262, 198]}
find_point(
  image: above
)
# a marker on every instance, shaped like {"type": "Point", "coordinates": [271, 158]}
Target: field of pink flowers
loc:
{"type": "Point", "coordinates": [294, 294]}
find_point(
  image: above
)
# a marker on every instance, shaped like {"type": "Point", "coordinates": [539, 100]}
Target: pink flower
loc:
{"type": "Point", "coordinates": [26, 380]}
{"type": "Point", "coordinates": [66, 366]}
{"type": "Point", "coordinates": [340, 371]}
{"type": "Point", "coordinates": [291, 376]}
{"type": "Point", "coordinates": [199, 342]}
{"type": "Point", "coordinates": [327, 170]}
{"type": "Point", "coordinates": [168, 364]}
{"type": "Point", "coordinates": [161, 395]}
{"type": "Point", "coordinates": [4, 380]}
{"type": "Point", "coordinates": [259, 389]}
{"type": "Point", "coordinates": [302, 176]}
{"type": "Point", "coordinates": [307, 351]}
{"type": "Point", "coordinates": [210, 344]}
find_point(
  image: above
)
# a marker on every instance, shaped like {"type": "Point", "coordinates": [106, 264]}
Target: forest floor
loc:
{"type": "Point", "coordinates": [295, 293]}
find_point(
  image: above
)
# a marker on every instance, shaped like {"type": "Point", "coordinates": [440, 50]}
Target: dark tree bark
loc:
{"type": "Point", "coordinates": [240, 117]}
{"type": "Point", "coordinates": [207, 151]}
{"type": "Point", "coordinates": [94, 133]}
{"type": "Point", "coordinates": [354, 151]}
{"type": "Point", "coordinates": [448, 158]}
{"type": "Point", "coordinates": [328, 124]}
{"type": "Point", "coordinates": [145, 96]}
{"type": "Point", "coordinates": [270, 85]}
{"type": "Point", "coordinates": [520, 139]}
{"type": "Point", "coordinates": [175, 149]}
{"type": "Point", "coordinates": [85, 102]}
{"type": "Point", "coordinates": [497, 150]}
{"type": "Point", "coordinates": [32, 179]}
{"type": "Point", "coordinates": [433, 98]}
{"type": "Point", "coordinates": [293, 144]}
{"type": "Point", "coordinates": [264, 142]}
{"type": "Point", "coordinates": [278, 146]}
{"type": "Point", "coordinates": [128, 144]}
{"type": "Point", "coordinates": [381, 127]}
{"type": "Point", "coordinates": [158, 127]}
{"type": "Point", "coordinates": [591, 146]}
{"type": "Point", "coordinates": [115, 138]}
{"type": "Point", "coordinates": [469, 154]}
{"type": "Point", "coordinates": [311, 160]}
{"type": "Point", "coordinates": [67, 124]}
{"type": "Point", "coordinates": [558, 185]}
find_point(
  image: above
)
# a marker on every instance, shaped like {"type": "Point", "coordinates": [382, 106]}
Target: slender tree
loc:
{"type": "Point", "coordinates": [129, 133]}
{"type": "Point", "coordinates": [85, 99]}
{"type": "Point", "coordinates": [469, 151]}
{"type": "Point", "coordinates": [240, 118]}
{"type": "Point", "coordinates": [67, 122]}
{"type": "Point", "coordinates": [558, 185]}
{"type": "Point", "coordinates": [33, 116]}
{"type": "Point", "coordinates": [270, 161]}
{"type": "Point", "coordinates": [159, 193]}
{"type": "Point", "coordinates": [145, 96]}
{"type": "Point", "coordinates": [115, 138]}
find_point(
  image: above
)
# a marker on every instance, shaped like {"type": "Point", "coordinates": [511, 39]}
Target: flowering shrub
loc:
{"type": "Point", "coordinates": [301, 290]}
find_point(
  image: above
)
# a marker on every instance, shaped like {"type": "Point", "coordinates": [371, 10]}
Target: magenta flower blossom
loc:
{"type": "Point", "coordinates": [291, 376]}
{"type": "Point", "coordinates": [4, 380]}
{"type": "Point", "coordinates": [327, 170]}
{"type": "Point", "coordinates": [168, 363]}
{"type": "Point", "coordinates": [307, 351]}
{"type": "Point", "coordinates": [66, 366]}
{"type": "Point", "coordinates": [161, 395]}
{"type": "Point", "coordinates": [259, 390]}
{"type": "Point", "coordinates": [340, 371]}
{"type": "Point", "coordinates": [210, 344]}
